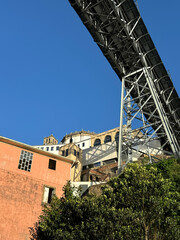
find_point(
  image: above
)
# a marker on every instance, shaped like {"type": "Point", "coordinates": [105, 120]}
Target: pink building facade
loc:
{"type": "Point", "coordinates": [28, 178]}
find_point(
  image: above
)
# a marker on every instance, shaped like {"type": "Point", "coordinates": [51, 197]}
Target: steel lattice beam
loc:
{"type": "Point", "coordinates": [118, 29]}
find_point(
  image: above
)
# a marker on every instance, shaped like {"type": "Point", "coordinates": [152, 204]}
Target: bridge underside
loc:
{"type": "Point", "coordinates": [118, 29]}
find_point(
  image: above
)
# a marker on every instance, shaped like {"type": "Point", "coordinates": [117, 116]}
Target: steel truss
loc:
{"type": "Point", "coordinates": [140, 129]}
{"type": "Point", "coordinates": [118, 29]}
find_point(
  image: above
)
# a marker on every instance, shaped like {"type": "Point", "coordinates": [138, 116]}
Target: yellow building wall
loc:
{"type": "Point", "coordinates": [77, 166]}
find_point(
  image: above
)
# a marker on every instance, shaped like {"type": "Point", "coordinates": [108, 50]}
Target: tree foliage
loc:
{"type": "Point", "coordinates": [138, 204]}
{"type": "Point", "coordinates": [170, 169]}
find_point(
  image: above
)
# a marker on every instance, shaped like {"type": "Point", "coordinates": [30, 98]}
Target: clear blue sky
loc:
{"type": "Point", "coordinates": [54, 79]}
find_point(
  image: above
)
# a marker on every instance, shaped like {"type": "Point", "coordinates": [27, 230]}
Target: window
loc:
{"type": "Point", "coordinates": [25, 161]}
{"type": "Point", "coordinates": [42, 148]}
{"type": "Point", "coordinates": [74, 152]}
{"type": "Point", "coordinates": [108, 161]}
{"type": "Point", "coordinates": [90, 165]}
{"type": "Point", "coordinates": [63, 152]}
{"type": "Point", "coordinates": [47, 149]}
{"type": "Point", "coordinates": [117, 137]}
{"type": "Point", "coordinates": [48, 194]}
{"type": "Point", "coordinates": [66, 152]}
{"type": "Point", "coordinates": [71, 140]}
{"type": "Point", "coordinates": [83, 144]}
{"type": "Point", "coordinates": [107, 139]}
{"type": "Point", "coordinates": [57, 148]}
{"type": "Point", "coordinates": [78, 154]}
{"type": "Point", "coordinates": [52, 148]}
{"type": "Point", "coordinates": [84, 167]}
{"type": "Point", "coordinates": [97, 142]}
{"type": "Point", "coordinates": [52, 164]}
{"type": "Point", "coordinates": [78, 145]}
{"type": "Point", "coordinates": [97, 164]}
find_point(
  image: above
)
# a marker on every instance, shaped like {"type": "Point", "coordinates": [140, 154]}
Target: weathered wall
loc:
{"type": "Point", "coordinates": [20, 204]}
{"type": "Point", "coordinates": [21, 192]}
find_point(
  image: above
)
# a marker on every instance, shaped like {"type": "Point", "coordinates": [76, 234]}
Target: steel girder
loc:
{"type": "Point", "coordinates": [118, 29]}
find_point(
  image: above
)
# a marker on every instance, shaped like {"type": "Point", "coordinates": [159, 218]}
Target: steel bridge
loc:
{"type": "Point", "coordinates": [148, 94]}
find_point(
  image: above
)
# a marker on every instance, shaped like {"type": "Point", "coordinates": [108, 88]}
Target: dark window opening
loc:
{"type": "Point", "coordinates": [52, 148]}
{"type": "Point", "coordinates": [83, 144]}
{"type": "Point", "coordinates": [71, 140]}
{"type": "Point", "coordinates": [57, 148]}
{"type": "Point", "coordinates": [66, 152]}
{"type": "Point", "coordinates": [117, 137]}
{"type": "Point", "coordinates": [84, 167]}
{"type": "Point", "coordinates": [97, 142]}
{"type": "Point", "coordinates": [107, 139]}
{"type": "Point", "coordinates": [48, 194]}
{"type": "Point", "coordinates": [97, 164]}
{"type": "Point", "coordinates": [63, 152]}
{"type": "Point", "coordinates": [78, 154]}
{"type": "Point", "coordinates": [74, 152]}
{"type": "Point", "coordinates": [90, 165]}
{"type": "Point", "coordinates": [52, 164]}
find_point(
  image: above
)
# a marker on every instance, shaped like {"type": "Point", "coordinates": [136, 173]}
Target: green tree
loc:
{"type": "Point", "coordinates": [150, 197]}
{"type": "Point", "coordinates": [138, 204]}
{"type": "Point", "coordinates": [170, 169]}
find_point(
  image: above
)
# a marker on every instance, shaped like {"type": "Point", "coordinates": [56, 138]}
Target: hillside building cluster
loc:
{"type": "Point", "coordinates": [88, 149]}
{"type": "Point", "coordinates": [92, 152]}
{"type": "Point", "coordinates": [31, 175]}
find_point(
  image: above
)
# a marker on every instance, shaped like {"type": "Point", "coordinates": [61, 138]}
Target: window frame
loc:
{"type": "Point", "coordinates": [117, 136]}
{"type": "Point", "coordinates": [25, 160]}
{"type": "Point", "coordinates": [52, 164]}
{"type": "Point", "coordinates": [67, 152]}
{"type": "Point", "coordinates": [99, 143]}
{"type": "Point", "coordinates": [49, 199]}
{"type": "Point", "coordinates": [107, 139]}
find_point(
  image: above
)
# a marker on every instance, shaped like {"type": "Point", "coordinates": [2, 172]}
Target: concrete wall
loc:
{"type": "Point", "coordinates": [84, 185]}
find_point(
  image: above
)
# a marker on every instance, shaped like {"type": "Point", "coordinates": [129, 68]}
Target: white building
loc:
{"type": "Point", "coordinates": [81, 138]}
